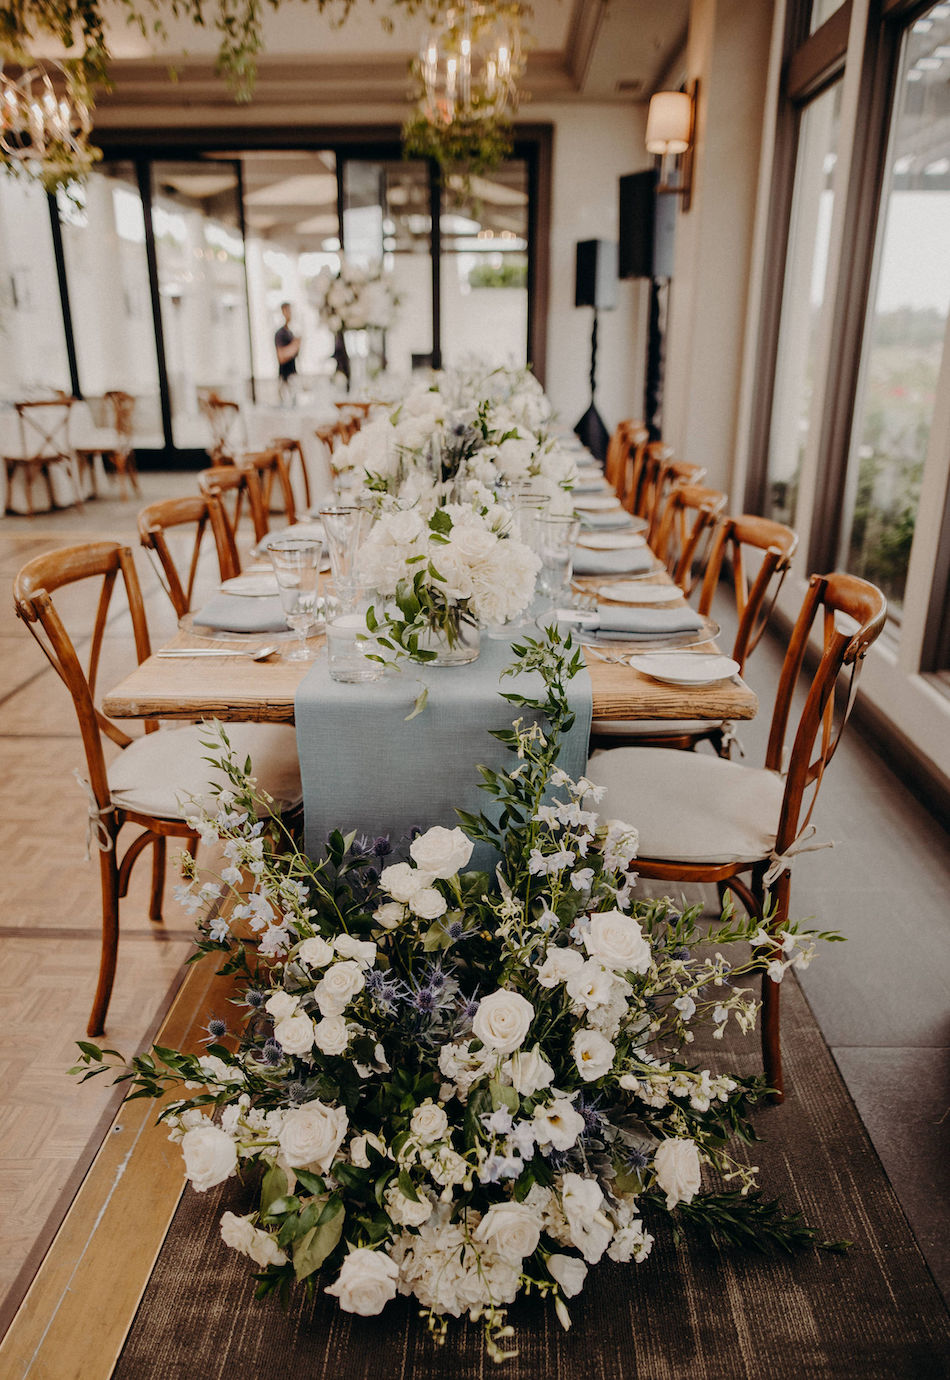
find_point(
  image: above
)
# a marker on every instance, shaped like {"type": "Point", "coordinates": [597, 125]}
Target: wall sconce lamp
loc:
{"type": "Point", "coordinates": [671, 133]}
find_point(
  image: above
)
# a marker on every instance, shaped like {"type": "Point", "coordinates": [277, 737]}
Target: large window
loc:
{"type": "Point", "coordinates": [32, 338]}
{"type": "Point", "coordinates": [907, 320]}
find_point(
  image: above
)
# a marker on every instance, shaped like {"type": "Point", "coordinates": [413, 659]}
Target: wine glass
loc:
{"type": "Point", "coordinates": [343, 529]}
{"type": "Point", "coordinates": [297, 565]}
{"type": "Point", "coordinates": [556, 538]}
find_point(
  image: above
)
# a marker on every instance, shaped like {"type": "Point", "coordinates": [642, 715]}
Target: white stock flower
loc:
{"type": "Point", "coordinates": [295, 1033]}
{"type": "Point", "coordinates": [512, 1229]}
{"type": "Point", "coordinates": [210, 1156]}
{"type": "Point", "coordinates": [366, 1282]}
{"type": "Point", "coordinates": [339, 984]}
{"type": "Point", "coordinates": [529, 1072]}
{"type": "Point", "coordinates": [678, 1172]}
{"type": "Point", "coordinates": [402, 881]}
{"type": "Point", "coordinates": [362, 950]}
{"type": "Point", "coordinates": [593, 1055]}
{"type": "Point", "coordinates": [281, 1005]}
{"type": "Point", "coordinates": [558, 966]}
{"type": "Point", "coordinates": [311, 1135]}
{"type": "Point", "coordinates": [441, 852]}
{"type": "Point", "coordinates": [314, 953]}
{"type": "Point", "coordinates": [428, 903]}
{"type": "Point", "coordinates": [568, 1273]}
{"type": "Point", "coordinates": [429, 1122]}
{"type": "Point", "coordinates": [241, 1235]}
{"type": "Point", "coordinates": [557, 1124]}
{"type": "Point", "coordinates": [616, 940]}
{"type": "Point", "coordinates": [331, 1035]}
{"type": "Point", "coordinates": [502, 1020]}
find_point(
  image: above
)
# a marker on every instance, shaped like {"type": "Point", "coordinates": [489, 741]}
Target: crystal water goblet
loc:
{"type": "Point", "coordinates": [297, 566]}
{"type": "Point", "coordinates": [343, 526]}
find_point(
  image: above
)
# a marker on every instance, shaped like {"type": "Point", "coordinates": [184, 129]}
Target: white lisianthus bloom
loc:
{"type": "Point", "coordinates": [429, 1122]}
{"type": "Point", "coordinates": [241, 1235]}
{"type": "Point", "coordinates": [502, 1021]}
{"type": "Point", "coordinates": [294, 1033]}
{"type": "Point", "coordinates": [568, 1273]}
{"type": "Point", "coordinates": [404, 1211]}
{"type": "Point", "coordinates": [557, 1124]}
{"type": "Point", "coordinates": [281, 1005]}
{"type": "Point", "coordinates": [402, 881]}
{"type": "Point", "coordinates": [366, 1282]}
{"type": "Point", "coordinates": [593, 1055]}
{"type": "Point", "coordinates": [558, 966]}
{"type": "Point", "coordinates": [678, 1171]}
{"type": "Point", "coordinates": [590, 1230]}
{"type": "Point", "coordinates": [339, 984]}
{"type": "Point", "coordinates": [362, 950]}
{"type": "Point", "coordinates": [210, 1156]}
{"type": "Point", "coordinates": [428, 904]}
{"type": "Point", "coordinates": [218, 1071]}
{"type": "Point", "coordinates": [529, 1072]}
{"type": "Point", "coordinates": [314, 953]}
{"type": "Point", "coordinates": [311, 1135]}
{"type": "Point", "coordinates": [616, 940]}
{"type": "Point", "coordinates": [512, 1229]}
{"type": "Point", "coordinates": [358, 1149]}
{"type": "Point", "coordinates": [331, 1035]}
{"type": "Point", "coordinates": [441, 852]}
{"type": "Point", "coordinates": [390, 914]}
{"type": "Point", "coordinates": [591, 985]}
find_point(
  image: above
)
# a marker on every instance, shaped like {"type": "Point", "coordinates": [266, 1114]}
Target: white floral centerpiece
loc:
{"type": "Point", "coordinates": [439, 578]}
{"type": "Point", "coordinates": [355, 298]}
{"type": "Point", "coordinates": [454, 1087]}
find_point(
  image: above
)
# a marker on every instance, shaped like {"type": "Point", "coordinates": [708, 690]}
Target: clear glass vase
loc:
{"type": "Point", "coordinates": [456, 642]}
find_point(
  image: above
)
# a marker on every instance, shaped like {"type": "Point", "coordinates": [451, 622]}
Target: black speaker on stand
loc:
{"type": "Point", "coordinates": [595, 285]}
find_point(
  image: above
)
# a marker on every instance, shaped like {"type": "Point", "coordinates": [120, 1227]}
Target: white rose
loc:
{"type": "Point", "coordinates": [210, 1156]}
{"type": "Point", "coordinates": [402, 881]}
{"type": "Point", "coordinates": [366, 1282]}
{"type": "Point", "coordinates": [512, 1229]}
{"type": "Point", "coordinates": [428, 904]}
{"type": "Point", "coordinates": [362, 950]}
{"type": "Point", "coordinates": [678, 1171]}
{"type": "Point", "coordinates": [568, 1273]}
{"type": "Point", "coordinates": [339, 985]}
{"type": "Point", "coordinates": [358, 1149]}
{"type": "Point", "coordinates": [294, 1034]}
{"type": "Point", "coordinates": [281, 1005]}
{"type": "Point", "coordinates": [529, 1072]}
{"type": "Point", "coordinates": [310, 1136]}
{"type": "Point", "coordinates": [390, 914]}
{"type": "Point", "coordinates": [241, 1235]}
{"type": "Point", "coordinates": [404, 1211]}
{"type": "Point", "coordinates": [441, 852]}
{"type": "Point", "coordinates": [503, 1020]}
{"type": "Point", "coordinates": [616, 940]}
{"type": "Point", "coordinates": [429, 1123]}
{"type": "Point", "coordinates": [315, 953]}
{"type": "Point", "coordinates": [331, 1035]}
{"type": "Point", "coordinates": [558, 966]}
{"type": "Point", "coordinates": [593, 1055]}
{"type": "Point", "coordinates": [558, 1124]}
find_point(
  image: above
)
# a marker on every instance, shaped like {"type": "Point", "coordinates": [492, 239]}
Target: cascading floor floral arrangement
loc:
{"type": "Point", "coordinates": [355, 298]}
{"type": "Point", "coordinates": [454, 1086]}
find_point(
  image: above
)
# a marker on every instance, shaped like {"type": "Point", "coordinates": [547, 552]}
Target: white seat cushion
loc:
{"type": "Point", "coordinates": [690, 807]}
{"type": "Point", "coordinates": [162, 773]}
{"type": "Point", "coordinates": [632, 728]}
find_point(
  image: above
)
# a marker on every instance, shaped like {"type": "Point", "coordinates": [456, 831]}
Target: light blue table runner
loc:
{"type": "Point", "coordinates": [364, 768]}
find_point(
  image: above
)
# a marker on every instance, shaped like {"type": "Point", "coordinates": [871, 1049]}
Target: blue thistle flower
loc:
{"type": "Point", "coordinates": [272, 1053]}
{"type": "Point", "coordinates": [254, 998]}
{"type": "Point", "coordinates": [382, 847]}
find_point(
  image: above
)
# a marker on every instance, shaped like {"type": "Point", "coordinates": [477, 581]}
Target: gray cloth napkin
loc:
{"type": "Point", "coordinates": [613, 520]}
{"type": "Point", "coordinates": [588, 482]}
{"type": "Point", "coordinates": [647, 622]}
{"type": "Point", "coordinates": [239, 614]}
{"type": "Point", "coordinates": [364, 767]}
{"type": "Point", "coordinates": [631, 560]}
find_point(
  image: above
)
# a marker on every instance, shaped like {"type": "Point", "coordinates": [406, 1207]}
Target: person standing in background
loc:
{"type": "Point", "coordinates": [287, 346]}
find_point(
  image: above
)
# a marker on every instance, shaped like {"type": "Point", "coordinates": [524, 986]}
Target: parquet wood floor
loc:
{"type": "Point", "coordinates": [49, 901]}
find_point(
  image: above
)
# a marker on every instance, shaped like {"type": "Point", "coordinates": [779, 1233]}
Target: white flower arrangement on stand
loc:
{"type": "Point", "coordinates": [355, 298]}
{"type": "Point", "coordinates": [456, 1087]}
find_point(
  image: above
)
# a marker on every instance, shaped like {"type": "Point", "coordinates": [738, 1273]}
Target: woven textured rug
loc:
{"type": "Point", "coordinates": [690, 1312]}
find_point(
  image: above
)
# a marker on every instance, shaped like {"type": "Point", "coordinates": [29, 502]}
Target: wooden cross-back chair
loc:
{"type": "Point", "coordinates": [273, 479]}
{"type": "Point", "coordinates": [224, 420]}
{"type": "Point", "coordinates": [707, 820]}
{"type": "Point", "coordinates": [617, 450]}
{"type": "Point", "coordinates": [332, 435]}
{"type": "Point", "coordinates": [642, 499]}
{"type": "Point", "coordinates": [734, 539]}
{"type": "Point", "coordinates": [628, 484]}
{"type": "Point", "coordinates": [157, 779]}
{"type": "Point", "coordinates": [292, 451]}
{"type": "Point", "coordinates": [670, 474]}
{"type": "Point", "coordinates": [44, 446]}
{"type": "Point", "coordinates": [237, 489]}
{"type": "Point", "coordinates": [204, 515]}
{"type": "Point", "coordinates": [683, 539]}
{"type": "Point", "coordinates": [116, 411]}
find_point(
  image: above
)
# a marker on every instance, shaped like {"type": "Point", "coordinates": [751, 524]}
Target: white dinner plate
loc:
{"type": "Point", "coordinates": [261, 585]}
{"type": "Point", "coordinates": [685, 668]}
{"type": "Point", "coordinates": [597, 503]}
{"type": "Point", "coordinates": [630, 592]}
{"type": "Point", "coordinates": [611, 541]}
